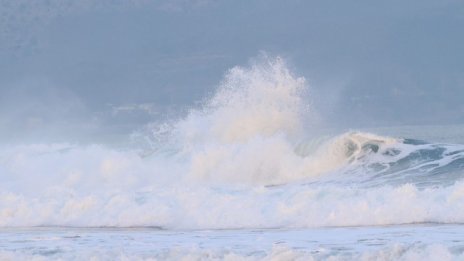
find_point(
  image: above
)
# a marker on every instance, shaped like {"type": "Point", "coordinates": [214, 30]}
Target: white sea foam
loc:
{"type": "Point", "coordinates": [244, 159]}
{"type": "Point", "coordinates": [199, 207]}
{"type": "Point", "coordinates": [435, 252]}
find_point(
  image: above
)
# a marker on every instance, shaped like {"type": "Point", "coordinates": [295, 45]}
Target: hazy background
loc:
{"type": "Point", "coordinates": [93, 70]}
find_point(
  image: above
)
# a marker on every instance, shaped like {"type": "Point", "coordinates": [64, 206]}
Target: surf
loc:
{"type": "Point", "coordinates": [245, 157]}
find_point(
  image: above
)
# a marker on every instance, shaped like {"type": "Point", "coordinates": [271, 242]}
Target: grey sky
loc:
{"type": "Point", "coordinates": [103, 68]}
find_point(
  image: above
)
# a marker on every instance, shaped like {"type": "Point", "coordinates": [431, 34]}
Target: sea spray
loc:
{"type": "Point", "coordinates": [244, 159]}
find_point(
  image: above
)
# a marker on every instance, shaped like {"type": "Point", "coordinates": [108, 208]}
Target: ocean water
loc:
{"type": "Point", "coordinates": [248, 174]}
{"type": "Point", "coordinates": [408, 242]}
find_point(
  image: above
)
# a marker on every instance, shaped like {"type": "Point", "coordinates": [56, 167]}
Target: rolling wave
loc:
{"type": "Point", "coordinates": [377, 160]}
{"type": "Point", "coordinates": [244, 159]}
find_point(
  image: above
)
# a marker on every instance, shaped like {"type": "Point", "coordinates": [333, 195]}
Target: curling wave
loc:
{"type": "Point", "coordinates": [245, 159]}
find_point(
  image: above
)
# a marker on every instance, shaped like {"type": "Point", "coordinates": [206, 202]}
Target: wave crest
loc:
{"type": "Point", "coordinates": [244, 155]}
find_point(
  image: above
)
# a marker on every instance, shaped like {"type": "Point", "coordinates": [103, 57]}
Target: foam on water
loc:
{"type": "Point", "coordinates": [368, 243]}
{"type": "Point", "coordinates": [244, 159]}
{"type": "Point", "coordinates": [395, 252]}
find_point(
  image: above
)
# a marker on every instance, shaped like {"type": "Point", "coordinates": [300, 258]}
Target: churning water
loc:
{"type": "Point", "coordinates": [243, 176]}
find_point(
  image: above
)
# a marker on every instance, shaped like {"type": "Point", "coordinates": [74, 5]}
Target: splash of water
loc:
{"type": "Point", "coordinates": [241, 160]}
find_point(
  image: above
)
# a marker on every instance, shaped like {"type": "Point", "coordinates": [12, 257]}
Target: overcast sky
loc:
{"type": "Point", "coordinates": [104, 68]}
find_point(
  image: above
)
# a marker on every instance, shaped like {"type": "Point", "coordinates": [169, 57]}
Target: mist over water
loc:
{"type": "Point", "coordinates": [94, 71]}
{"type": "Point", "coordinates": [245, 158]}
{"type": "Point", "coordinates": [161, 129]}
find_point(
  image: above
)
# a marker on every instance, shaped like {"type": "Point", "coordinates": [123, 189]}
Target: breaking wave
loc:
{"type": "Point", "coordinates": [245, 159]}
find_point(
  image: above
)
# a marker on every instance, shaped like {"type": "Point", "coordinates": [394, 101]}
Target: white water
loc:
{"type": "Point", "coordinates": [218, 167]}
{"type": "Point", "coordinates": [246, 158]}
{"type": "Point", "coordinates": [426, 242]}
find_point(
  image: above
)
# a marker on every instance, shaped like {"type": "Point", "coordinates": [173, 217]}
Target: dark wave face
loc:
{"type": "Point", "coordinates": [376, 160]}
